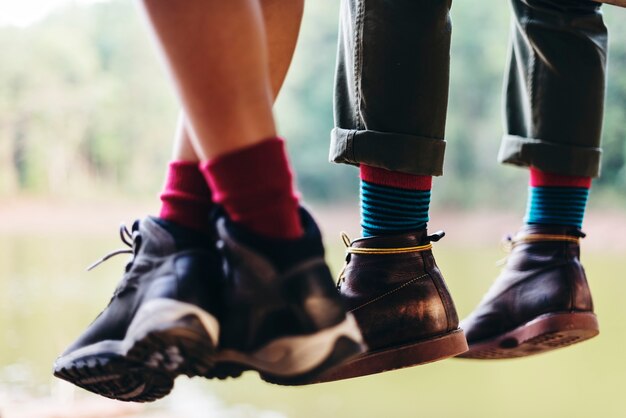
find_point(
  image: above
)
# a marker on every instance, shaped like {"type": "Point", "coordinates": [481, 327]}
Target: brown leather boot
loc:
{"type": "Point", "coordinates": [393, 287]}
{"type": "Point", "coordinates": [541, 300]}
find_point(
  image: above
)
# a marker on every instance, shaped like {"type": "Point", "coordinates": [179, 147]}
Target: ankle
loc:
{"type": "Point", "coordinates": [186, 198]}
{"type": "Point", "coordinates": [254, 185]}
{"type": "Point", "coordinates": [555, 199]}
{"type": "Point", "coordinates": [393, 202]}
{"type": "Point", "coordinates": [282, 253]}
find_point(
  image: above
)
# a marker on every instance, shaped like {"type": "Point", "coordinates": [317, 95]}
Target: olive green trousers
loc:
{"type": "Point", "coordinates": [391, 91]}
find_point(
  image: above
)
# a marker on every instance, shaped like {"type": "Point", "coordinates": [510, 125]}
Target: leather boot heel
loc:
{"type": "Point", "coordinates": [544, 333]}
{"type": "Point", "coordinates": [421, 352]}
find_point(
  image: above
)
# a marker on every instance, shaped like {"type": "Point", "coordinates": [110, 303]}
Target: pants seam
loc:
{"type": "Point", "coordinates": [358, 57]}
{"type": "Point", "coordinates": [350, 145]}
{"type": "Point", "coordinates": [532, 73]}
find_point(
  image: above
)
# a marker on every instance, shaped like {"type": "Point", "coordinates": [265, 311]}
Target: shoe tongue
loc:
{"type": "Point", "coordinates": [155, 239]}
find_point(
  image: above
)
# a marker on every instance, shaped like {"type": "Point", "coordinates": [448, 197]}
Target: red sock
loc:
{"type": "Point", "coordinates": [395, 179]}
{"type": "Point", "coordinates": [542, 179]}
{"type": "Point", "coordinates": [255, 187]}
{"type": "Point", "coordinates": [186, 197]}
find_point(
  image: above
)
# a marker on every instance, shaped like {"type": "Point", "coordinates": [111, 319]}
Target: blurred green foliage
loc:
{"type": "Point", "coordinates": [85, 106]}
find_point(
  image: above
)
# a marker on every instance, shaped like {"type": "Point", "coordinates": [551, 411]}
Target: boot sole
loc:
{"type": "Point", "coordinates": [176, 337]}
{"type": "Point", "coordinates": [114, 376]}
{"type": "Point", "coordinates": [166, 339]}
{"type": "Point", "coordinates": [406, 355]}
{"type": "Point", "coordinates": [545, 333]}
{"type": "Point", "coordinates": [297, 360]}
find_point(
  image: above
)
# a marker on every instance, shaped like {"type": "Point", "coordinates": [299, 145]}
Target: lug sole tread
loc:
{"type": "Point", "coordinates": [149, 362]}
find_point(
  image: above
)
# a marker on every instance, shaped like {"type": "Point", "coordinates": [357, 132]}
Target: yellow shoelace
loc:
{"type": "Point", "coordinates": [512, 242]}
{"type": "Point", "coordinates": [547, 237]}
{"type": "Point", "coordinates": [374, 251]}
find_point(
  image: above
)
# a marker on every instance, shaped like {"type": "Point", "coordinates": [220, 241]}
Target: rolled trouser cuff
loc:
{"type": "Point", "coordinates": [552, 157]}
{"type": "Point", "coordinates": [392, 151]}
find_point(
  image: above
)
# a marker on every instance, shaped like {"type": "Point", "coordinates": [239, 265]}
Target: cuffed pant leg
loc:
{"type": "Point", "coordinates": [391, 91]}
{"type": "Point", "coordinates": [554, 90]}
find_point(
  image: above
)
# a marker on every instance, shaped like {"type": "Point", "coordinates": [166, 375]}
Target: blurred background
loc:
{"type": "Point", "coordinates": [86, 120]}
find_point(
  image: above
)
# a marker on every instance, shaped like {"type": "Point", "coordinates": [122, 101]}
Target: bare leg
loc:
{"type": "Point", "coordinates": [227, 96]}
{"type": "Point", "coordinates": [282, 24]}
{"type": "Point", "coordinates": [222, 75]}
{"type": "Point", "coordinates": [183, 148]}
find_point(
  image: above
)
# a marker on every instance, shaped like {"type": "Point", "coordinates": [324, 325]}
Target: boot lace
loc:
{"type": "Point", "coordinates": [132, 241]}
{"type": "Point", "coordinates": [509, 242]}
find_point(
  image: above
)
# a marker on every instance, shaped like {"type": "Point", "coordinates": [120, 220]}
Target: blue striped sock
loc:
{"type": "Point", "coordinates": [556, 205]}
{"type": "Point", "coordinates": [388, 210]}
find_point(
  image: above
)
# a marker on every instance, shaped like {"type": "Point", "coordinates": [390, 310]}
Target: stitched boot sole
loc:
{"type": "Point", "coordinates": [165, 340]}
{"type": "Point", "coordinates": [407, 355]}
{"type": "Point", "coordinates": [545, 333]}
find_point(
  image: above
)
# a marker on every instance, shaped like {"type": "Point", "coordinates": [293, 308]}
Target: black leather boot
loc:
{"type": "Point", "coordinates": [159, 323]}
{"type": "Point", "coordinates": [281, 314]}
